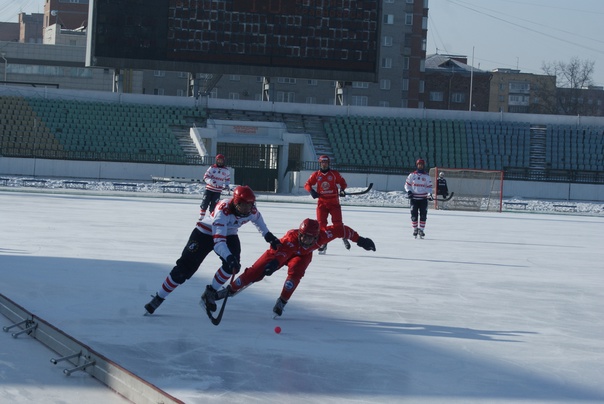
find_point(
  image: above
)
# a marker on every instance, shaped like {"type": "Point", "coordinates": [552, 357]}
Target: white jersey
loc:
{"type": "Point", "coordinates": [223, 222]}
{"type": "Point", "coordinates": [420, 184]}
{"type": "Point", "coordinates": [217, 178]}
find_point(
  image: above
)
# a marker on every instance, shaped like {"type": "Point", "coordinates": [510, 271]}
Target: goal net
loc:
{"type": "Point", "coordinates": [478, 190]}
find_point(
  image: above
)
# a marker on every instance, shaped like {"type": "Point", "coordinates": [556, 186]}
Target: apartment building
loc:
{"type": "Point", "coordinates": [514, 91]}
{"type": "Point", "coordinates": [452, 84]}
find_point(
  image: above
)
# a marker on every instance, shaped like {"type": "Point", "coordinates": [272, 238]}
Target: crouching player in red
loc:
{"type": "Point", "coordinates": [295, 251]}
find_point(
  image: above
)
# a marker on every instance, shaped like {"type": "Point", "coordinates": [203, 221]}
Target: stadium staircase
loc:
{"type": "Point", "coordinates": [538, 146]}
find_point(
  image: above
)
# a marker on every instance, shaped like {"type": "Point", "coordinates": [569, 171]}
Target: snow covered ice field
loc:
{"type": "Point", "coordinates": [489, 308]}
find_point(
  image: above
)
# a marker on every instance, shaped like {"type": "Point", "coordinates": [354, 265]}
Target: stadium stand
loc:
{"type": "Point", "coordinates": [88, 130]}
{"type": "Point", "coordinates": [77, 130]}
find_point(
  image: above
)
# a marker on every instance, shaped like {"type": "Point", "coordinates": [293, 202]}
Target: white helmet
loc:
{"type": "Point", "coordinates": [442, 174]}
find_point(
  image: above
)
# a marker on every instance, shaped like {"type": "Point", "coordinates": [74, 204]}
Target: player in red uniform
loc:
{"type": "Point", "coordinates": [326, 181]}
{"type": "Point", "coordinates": [295, 251]}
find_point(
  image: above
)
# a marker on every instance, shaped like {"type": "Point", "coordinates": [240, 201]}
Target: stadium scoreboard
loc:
{"type": "Point", "coordinates": [315, 39]}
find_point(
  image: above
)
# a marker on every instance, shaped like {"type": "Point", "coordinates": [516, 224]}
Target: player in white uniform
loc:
{"type": "Point", "coordinates": [419, 190]}
{"type": "Point", "coordinates": [217, 177]}
{"type": "Point", "coordinates": [216, 232]}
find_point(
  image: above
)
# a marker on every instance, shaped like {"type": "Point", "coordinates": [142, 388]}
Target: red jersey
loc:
{"type": "Point", "coordinates": [327, 183]}
{"type": "Point", "coordinates": [290, 243]}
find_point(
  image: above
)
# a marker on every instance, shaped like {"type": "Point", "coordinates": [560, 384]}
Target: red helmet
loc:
{"type": "Point", "coordinates": [220, 157]}
{"type": "Point", "coordinates": [308, 232]}
{"type": "Point", "coordinates": [420, 161]}
{"type": "Point", "coordinates": [310, 227]}
{"type": "Point", "coordinates": [243, 194]}
{"type": "Point", "coordinates": [323, 158]}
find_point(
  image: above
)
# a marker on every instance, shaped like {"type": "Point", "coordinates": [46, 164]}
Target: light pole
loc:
{"type": "Point", "coordinates": [5, 66]}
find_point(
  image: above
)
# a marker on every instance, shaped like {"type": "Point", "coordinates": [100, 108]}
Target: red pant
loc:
{"type": "Point", "coordinates": [296, 268]}
{"type": "Point", "coordinates": [326, 207]}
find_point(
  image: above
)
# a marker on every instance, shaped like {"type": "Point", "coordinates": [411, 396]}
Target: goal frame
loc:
{"type": "Point", "coordinates": [475, 189]}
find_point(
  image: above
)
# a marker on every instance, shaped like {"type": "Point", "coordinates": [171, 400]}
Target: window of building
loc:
{"type": "Point", "coordinates": [405, 84]}
{"type": "Point", "coordinates": [406, 60]}
{"type": "Point", "coordinates": [313, 82]}
{"type": "Point", "coordinates": [408, 19]}
{"type": "Point", "coordinates": [159, 73]}
{"type": "Point", "coordinates": [422, 86]}
{"type": "Point", "coordinates": [519, 87]}
{"type": "Point", "coordinates": [235, 77]}
{"type": "Point", "coordinates": [233, 96]}
{"type": "Point", "coordinates": [180, 92]}
{"type": "Point", "coordinates": [436, 96]}
{"type": "Point", "coordinates": [384, 104]}
{"type": "Point", "coordinates": [286, 96]}
{"type": "Point", "coordinates": [385, 84]}
{"type": "Point", "coordinates": [158, 91]}
{"type": "Point", "coordinates": [516, 99]}
{"type": "Point", "coordinates": [311, 100]}
{"type": "Point", "coordinates": [80, 72]}
{"type": "Point", "coordinates": [387, 40]}
{"type": "Point", "coordinates": [359, 100]}
{"type": "Point", "coordinates": [458, 97]}
{"type": "Point", "coordinates": [360, 84]}
{"type": "Point", "coordinates": [386, 63]}
{"type": "Point", "coordinates": [286, 80]}
{"type": "Point", "coordinates": [388, 19]}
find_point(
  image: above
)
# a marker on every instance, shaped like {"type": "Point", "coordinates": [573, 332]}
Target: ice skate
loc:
{"type": "Point", "coordinates": [323, 249]}
{"type": "Point", "coordinates": [346, 243]}
{"type": "Point", "coordinates": [421, 233]}
{"type": "Point", "coordinates": [279, 305]}
{"type": "Point", "coordinates": [209, 297]}
{"type": "Point", "coordinates": [415, 232]}
{"type": "Point", "coordinates": [153, 304]}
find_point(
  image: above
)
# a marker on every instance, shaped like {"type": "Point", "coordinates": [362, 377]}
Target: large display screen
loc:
{"type": "Point", "coordinates": [319, 39]}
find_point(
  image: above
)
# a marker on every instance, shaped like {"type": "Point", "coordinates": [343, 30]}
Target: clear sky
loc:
{"type": "Point", "coordinates": [500, 33]}
{"type": "Point", "coordinates": [519, 33]}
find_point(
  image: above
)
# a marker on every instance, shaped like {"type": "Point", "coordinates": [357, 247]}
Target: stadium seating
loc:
{"type": "Point", "coordinates": [95, 130]}
{"type": "Point", "coordinates": [131, 132]}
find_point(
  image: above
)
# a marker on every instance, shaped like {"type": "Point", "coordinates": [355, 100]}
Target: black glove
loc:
{"type": "Point", "coordinates": [430, 197]}
{"type": "Point", "coordinates": [342, 193]}
{"type": "Point", "coordinates": [409, 194]}
{"type": "Point", "coordinates": [366, 243]}
{"type": "Point", "coordinates": [232, 265]}
{"type": "Point", "coordinates": [274, 241]}
{"type": "Point", "coordinates": [271, 267]}
{"type": "Point", "coordinates": [314, 193]}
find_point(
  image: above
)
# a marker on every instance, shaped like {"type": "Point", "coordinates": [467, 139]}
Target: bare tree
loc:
{"type": "Point", "coordinates": [572, 79]}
